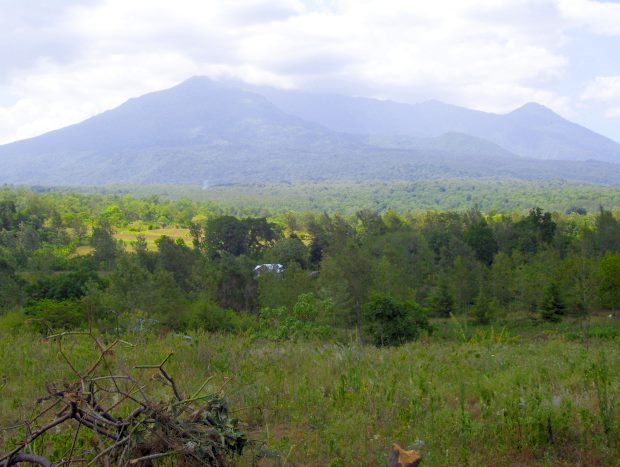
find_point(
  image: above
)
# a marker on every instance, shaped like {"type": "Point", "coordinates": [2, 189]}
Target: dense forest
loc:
{"type": "Point", "coordinates": [348, 196]}
{"type": "Point", "coordinates": [65, 264]}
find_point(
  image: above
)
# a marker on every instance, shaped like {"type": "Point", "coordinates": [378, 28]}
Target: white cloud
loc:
{"type": "Point", "coordinates": [605, 89]}
{"type": "Point", "coordinates": [489, 54]}
{"type": "Point", "coordinates": [599, 17]}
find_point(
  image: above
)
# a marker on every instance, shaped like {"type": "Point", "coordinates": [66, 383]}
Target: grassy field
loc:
{"type": "Point", "coordinates": [492, 398]}
{"type": "Point", "coordinates": [128, 236]}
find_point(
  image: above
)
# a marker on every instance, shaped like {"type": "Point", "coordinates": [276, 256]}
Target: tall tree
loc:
{"type": "Point", "coordinates": [480, 237]}
{"type": "Point", "coordinates": [610, 280]}
{"type": "Point", "coordinates": [607, 235]}
{"type": "Point", "coordinates": [104, 244]}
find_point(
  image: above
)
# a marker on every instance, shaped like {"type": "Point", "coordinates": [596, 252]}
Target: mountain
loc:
{"type": "Point", "coordinates": [207, 132]}
{"type": "Point", "coordinates": [532, 131]}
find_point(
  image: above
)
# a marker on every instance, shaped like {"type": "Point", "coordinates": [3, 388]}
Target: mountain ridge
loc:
{"type": "Point", "coordinates": [205, 130]}
{"type": "Point", "coordinates": [560, 139]}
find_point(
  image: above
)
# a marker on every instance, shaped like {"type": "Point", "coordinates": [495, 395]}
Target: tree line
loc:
{"type": "Point", "coordinates": [382, 274]}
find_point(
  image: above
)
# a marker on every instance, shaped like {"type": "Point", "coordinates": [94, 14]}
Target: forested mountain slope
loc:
{"type": "Point", "coordinates": [205, 132]}
{"type": "Point", "coordinates": [530, 131]}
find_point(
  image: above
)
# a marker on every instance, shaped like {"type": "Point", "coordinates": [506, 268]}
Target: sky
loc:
{"type": "Point", "coordinates": [65, 60]}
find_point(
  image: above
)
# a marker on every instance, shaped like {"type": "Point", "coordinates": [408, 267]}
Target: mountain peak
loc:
{"type": "Point", "coordinates": [197, 80]}
{"type": "Point", "coordinates": [533, 108]}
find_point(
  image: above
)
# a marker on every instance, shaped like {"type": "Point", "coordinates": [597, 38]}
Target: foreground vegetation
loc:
{"type": "Point", "coordinates": [482, 398]}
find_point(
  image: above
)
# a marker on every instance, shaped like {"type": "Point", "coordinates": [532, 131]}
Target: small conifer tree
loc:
{"type": "Point", "coordinates": [484, 308]}
{"type": "Point", "coordinates": [552, 307]}
{"type": "Point", "coordinates": [441, 301]}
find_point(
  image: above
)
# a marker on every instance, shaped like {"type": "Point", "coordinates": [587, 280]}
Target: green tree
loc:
{"type": "Point", "coordinates": [465, 275]}
{"type": "Point", "coordinates": [401, 264]}
{"type": "Point", "coordinates": [288, 251]}
{"type": "Point", "coordinates": [552, 307]}
{"type": "Point", "coordinates": [283, 290]}
{"type": "Point", "coordinates": [441, 300]}
{"type": "Point", "coordinates": [11, 288]}
{"type": "Point", "coordinates": [130, 285]}
{"type": "Point", "coordinates": [609, 288]}
{"type": "Point", "coordinates": [607, 233]}
{"type": "Point", "coordinates": [389, 322]}
{"type": "Point", "coordinates": [579, 278]}
{"type": "Point", "coordinates": [104, 244]}
{"type": "Point", "coordinates": [532, 231]}
{"type": "Point", "coordinates": [371, 223]}
{"type": "Point", "coordinates": [479, 236]}
{"type": "Point", "coordinates": [484, 308]}
{"type": "Point", "coordinates": [345, 277]}
{"type": "Point", "coordinates": [229, 235]}
{"type": "Point", "coordinates": [502, 280]}
{"type": "Point", "coordinates": [261, 235]}
{"type": "Point", "coordinates": [236, 285]}
{"type": "Point", "coordinates": [225, 235]}
{"type": "Point", "coordinates": [176, 258]}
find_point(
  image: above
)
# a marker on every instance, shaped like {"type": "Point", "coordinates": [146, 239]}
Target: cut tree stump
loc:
{"type": "Point", "coordinates": [401, 458]}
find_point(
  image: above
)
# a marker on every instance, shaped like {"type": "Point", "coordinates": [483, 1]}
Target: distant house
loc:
{"type": "Point", "coordinates": [274, 268]}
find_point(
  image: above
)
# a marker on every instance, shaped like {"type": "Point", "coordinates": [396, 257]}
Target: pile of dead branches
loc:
{"type": "Point", "coordinates": [117, 422]}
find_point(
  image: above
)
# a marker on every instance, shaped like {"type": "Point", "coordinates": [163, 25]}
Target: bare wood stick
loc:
{"type": "Point", "coordinates": [110, 449]}
{"type": "Point", "coordinates": [96, 428]}
{"type": "Point", "coordinates": [40, 414]}
{"type": "Point", "coordinates": [152, 456]}
{"type": "Point", "coordinates": [126, 448]}
{"type": "Point", "coordinates": [175, 389]}
{"type": "Point", "coordinates": [35, 435]}
{"type": "Point", "coordinates": [30, 458]}
{"type": "Point", "coordinates": [77, 432]}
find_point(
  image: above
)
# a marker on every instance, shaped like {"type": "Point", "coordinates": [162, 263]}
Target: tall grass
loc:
{"type": "Point", "coordinates": [484, 401]}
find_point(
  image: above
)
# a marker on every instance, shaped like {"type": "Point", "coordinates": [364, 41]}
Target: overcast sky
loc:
{"type": "Point", "coordinates": [65, 60]}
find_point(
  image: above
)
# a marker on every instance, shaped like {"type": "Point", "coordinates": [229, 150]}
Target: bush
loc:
{"type": "Point", "coordinates": [207, 315]}
{"type": "Point", "coordinates": [63, 286]}
{"type": "Point", "coordinates": [49, 315]}
{"type": "Point", "coordinates": [389, 322]}
{"type": "Point", "coordinates": [305, 320]}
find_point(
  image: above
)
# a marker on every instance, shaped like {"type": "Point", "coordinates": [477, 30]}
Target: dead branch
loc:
{"type": "Point", "coordinates": [112, 404]}
{"type": "Point", "coordinates": [29, 458]}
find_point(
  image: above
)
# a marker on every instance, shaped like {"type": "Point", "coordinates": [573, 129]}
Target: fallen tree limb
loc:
{"type": "Point", "coordinates": [124, 422]}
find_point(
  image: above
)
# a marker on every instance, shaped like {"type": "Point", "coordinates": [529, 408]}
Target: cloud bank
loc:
{"type": "Point", "coordinates": [64, 63]}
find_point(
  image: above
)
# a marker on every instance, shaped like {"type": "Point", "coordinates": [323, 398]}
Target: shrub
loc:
{"type": "Point", "coordinates": [206, 314]}
{"type": "Point", "coordinates": [390, 322]}
{"type": "Point", "coordinates": [50, 314]}
{"type": "Point", "coordinates": [303, 321]}
{"type": "Point", "coordinates": [63, 286]}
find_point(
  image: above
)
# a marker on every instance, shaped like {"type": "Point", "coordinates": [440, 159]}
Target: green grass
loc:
{"type": "Point", "coordinates": [491, 400]}
{"type": "Point", "coordinates": [130, 236]}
